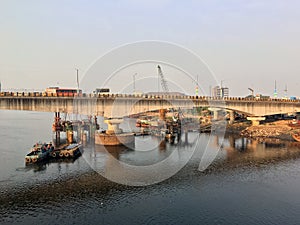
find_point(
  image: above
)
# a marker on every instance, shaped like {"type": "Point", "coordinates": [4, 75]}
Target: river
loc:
{"type": "Point", "coordinates": [248, 182]}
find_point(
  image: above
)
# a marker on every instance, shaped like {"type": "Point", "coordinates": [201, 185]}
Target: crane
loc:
{"type": "Point", "coordinates": [252, 91]}
{"type": "Point", "coordinates": [166, 91]}
{"type": "Point", "coordinates": [164, 84]}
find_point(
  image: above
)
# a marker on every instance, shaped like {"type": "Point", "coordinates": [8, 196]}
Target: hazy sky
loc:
{"type": "Point", "coordinates": [245, 43]}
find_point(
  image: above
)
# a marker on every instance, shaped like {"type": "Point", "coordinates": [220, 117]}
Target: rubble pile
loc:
{"type": "Point", "coordinates": [267, 131]}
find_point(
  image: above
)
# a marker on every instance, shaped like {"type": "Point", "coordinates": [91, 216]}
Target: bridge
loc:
{"type": "Point", "coordinates": [119, 105]}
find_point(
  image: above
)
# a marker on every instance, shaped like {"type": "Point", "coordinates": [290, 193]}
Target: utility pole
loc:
{"type": "Point", "coordinates": [158, 83]}
{"type": "Point", "coordinates": [275, 90]}
{"type": "Point", "coordinates": [197, 87]}
{"type": "Point", "coordinates": [286, 91]}
{"type": "Point", "coordinates": [77, 80]}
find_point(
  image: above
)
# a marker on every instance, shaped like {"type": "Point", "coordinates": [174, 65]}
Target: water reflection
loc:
{"type": "Point", "coordinates": [41, 166]}
{"type": "Point", "coordinates": [260, 178]}
{"type": "Point", "coordinates": [237, 150]}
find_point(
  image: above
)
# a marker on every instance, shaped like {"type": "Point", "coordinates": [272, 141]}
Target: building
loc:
{"type": "Point", "coordinates": [220, 92]}
{"type": "Point", "coordinates": [51, 90]}
{"type": "Point", "coordinates": [101, 90]}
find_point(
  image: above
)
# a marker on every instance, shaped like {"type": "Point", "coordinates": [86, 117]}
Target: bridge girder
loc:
{"type": "Point", "coordinates": [123, 105]}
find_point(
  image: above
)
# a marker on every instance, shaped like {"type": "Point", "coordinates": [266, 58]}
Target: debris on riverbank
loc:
{"type": "Point", "coordinates": [278, 129]}
{"type": "Point", "coordinates": [237, 128]}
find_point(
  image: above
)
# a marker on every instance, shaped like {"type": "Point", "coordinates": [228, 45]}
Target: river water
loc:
{"type": "Point", "coordinates": [248, 182]}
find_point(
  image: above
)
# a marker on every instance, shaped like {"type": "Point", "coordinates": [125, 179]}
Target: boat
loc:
{"type": "Point", "coordinates": [296, 136]}
{"type": "Point", "coordinates": [67, 151]}
{"type": "Point", "coordinates": [39, 152]}
{"type": "Point", "coordinates": [294, 123]}
{"type": "Point", "coordinates": [142, 123]}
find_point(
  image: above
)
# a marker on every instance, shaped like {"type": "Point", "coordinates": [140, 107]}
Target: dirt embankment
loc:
{"type": "Point", "coordinates": [278, 129]}
{"type": "Point", "coordinates": [237, 128]}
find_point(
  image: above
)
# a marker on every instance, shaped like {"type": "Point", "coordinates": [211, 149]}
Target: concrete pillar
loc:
{"type": "Point", "coordinates": [186, 137]}
{"type": "Point", "coordinates": [256, 120]}
{"type": "Point", "coordinates": [231, 117]}
{"type": "Point", "coordinates": [215, 113]}
{"type": "Point", "coordinates": [57, 138]}
{"type": "Point", "coordinates": [113, 126]}
{"type": "Point", "coordinates": [84, 138]}
{"type": "Point", "coordinates": [231, 141]}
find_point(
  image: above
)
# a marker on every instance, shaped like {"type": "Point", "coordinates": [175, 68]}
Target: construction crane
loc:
{"type": "Point", "coordinates": [164, 84]}
{"type": "Point", "coordinates": [286, 92]}
{"type": "Point", "coordinates": [166, 91]}
{"type": "Point", "coordinates": [252, 91]}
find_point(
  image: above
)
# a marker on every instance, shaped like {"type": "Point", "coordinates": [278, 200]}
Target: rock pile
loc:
{"type": "Point", "coordinates": [267, 131]}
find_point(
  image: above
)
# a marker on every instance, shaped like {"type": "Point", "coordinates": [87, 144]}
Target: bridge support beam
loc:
{"type": "Point", "coordinates": [256, 120]}
{"type": "Point", "coordinates": [231, 117]}
{"type": "Point", "coordinates": [215, 113]}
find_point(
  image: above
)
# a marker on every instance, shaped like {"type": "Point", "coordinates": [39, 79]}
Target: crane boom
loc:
{"type": "Point", "coordinates": [164, 84]}
{"type": "Point", "coordinates": [166, 90]}
{"type": "Point", "coordinates": [252, 91]}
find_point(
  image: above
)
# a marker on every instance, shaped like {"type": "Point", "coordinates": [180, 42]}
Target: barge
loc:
{"type": "Point", "coordinates": [39, 152]}
{"type": "Point", "coordinates": [67, 151]}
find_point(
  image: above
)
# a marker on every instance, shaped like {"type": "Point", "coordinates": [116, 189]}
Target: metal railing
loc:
{"type": "Point", "coordinates": [145, 96]}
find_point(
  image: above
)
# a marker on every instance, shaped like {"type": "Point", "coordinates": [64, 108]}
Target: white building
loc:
{"type": "Point", "coordinates": [220, 92]}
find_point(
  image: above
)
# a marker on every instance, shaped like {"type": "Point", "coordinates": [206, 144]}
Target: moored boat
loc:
{"type": "Point", "coordinates": [296, 136]}
{"type": "Point", "coordinates": [39, 152]}
{"type": "Point", "coordinates": [294, 123]}
{"type": "Point", "coordinates": [67, 151]}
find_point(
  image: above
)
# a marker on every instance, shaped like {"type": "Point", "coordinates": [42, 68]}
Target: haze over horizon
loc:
{"type": "Point", "coordinates": [245, 43]}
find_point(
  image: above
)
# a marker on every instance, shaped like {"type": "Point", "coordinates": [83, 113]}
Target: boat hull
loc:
{"type": "Point", "coordinates": [69, 151]}
{"type": "Point", "coordinates": [296, 136]}
{"type": "Point", "coordinates": [37, 156]}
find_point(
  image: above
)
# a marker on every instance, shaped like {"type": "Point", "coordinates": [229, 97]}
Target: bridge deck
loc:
{"type": "Point", "coordinates": [125, 104]}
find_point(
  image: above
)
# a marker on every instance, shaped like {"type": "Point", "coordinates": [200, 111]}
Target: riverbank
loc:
{"type": "Point", "coordinates": [237, 128]}
{"type": "Point", "coordinates": [278, 129]}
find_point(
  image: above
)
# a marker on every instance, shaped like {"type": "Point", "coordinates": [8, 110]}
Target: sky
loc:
{"type": "Point", "coordinates": [245, 44]}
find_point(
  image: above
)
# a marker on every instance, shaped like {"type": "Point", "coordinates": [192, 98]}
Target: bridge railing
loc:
{"type": "Point", "coordinates": [147, 96]}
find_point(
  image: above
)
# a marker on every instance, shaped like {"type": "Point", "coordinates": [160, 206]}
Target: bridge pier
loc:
{"type": "Point", "coordinates": [256, 120]}
{"type": "Point", "coordinates": [231, 117]}
{"type": "Point", "coordinates": [215, 112]}
{"type": "Point", "coordinates": [231, 141]}
{"type": "Point", "coordinates": [113, 126]}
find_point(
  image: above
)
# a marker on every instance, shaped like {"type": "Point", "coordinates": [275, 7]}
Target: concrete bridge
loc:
{"type": "Point", "coordinates": [119, 105]}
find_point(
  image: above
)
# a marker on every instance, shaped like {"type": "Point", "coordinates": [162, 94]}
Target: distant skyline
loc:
{"type": "Point", "coordinates": [247, 44]}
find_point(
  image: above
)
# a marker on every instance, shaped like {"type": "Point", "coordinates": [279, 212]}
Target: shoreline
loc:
{"type": "Point", "coordinates": [269, 130]}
